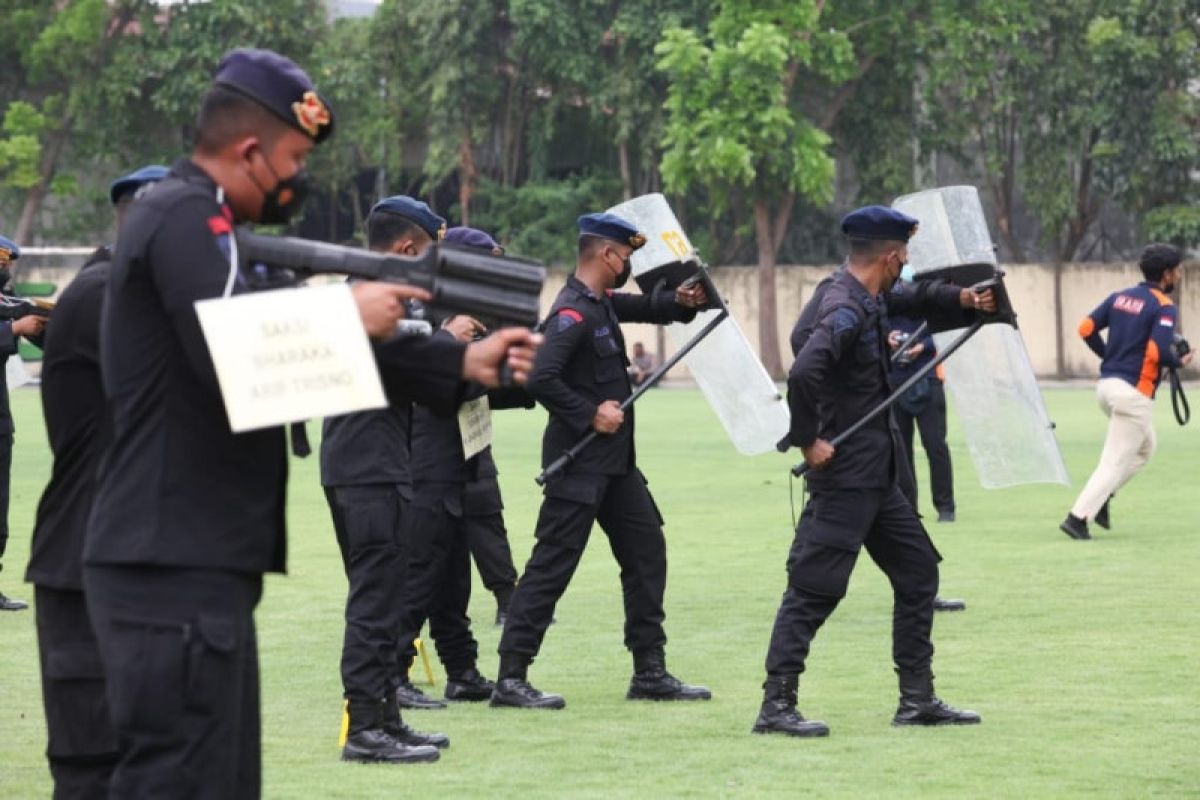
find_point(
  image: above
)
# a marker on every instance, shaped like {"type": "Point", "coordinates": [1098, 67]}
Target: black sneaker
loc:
{"type": "Point", "coordinates": [519, 693]}
{"type": "Point", "coordinates": [410, 697]}
{"type": "Point", "coordinates": [469, 686]}
{"type": "Point", "coordinates": [946, 515]}
{"type": "Point", "coordinates": [9, 604]}
{"type": "Point", "coordinates": [1074, 527]}
{"type": "Point", "coordinates": [942, 604]}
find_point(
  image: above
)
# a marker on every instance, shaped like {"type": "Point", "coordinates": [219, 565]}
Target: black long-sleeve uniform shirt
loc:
{"type": "Point", "coordinates": [77, 425]}
{"type": "Point", "coordinates": [841, 372]}
{"type": "Point", "coordinates": [582, 363]}
{"type": "Point", "coordinates": [178, 487]}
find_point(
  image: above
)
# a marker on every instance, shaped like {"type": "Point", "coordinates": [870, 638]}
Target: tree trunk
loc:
{"type": "Point", "coordinates": [467, 175]}
{"type": "Point", "coordinates": [623, 163]}
{"type": "Point", "coordinates": [768, 326]}
{"type": "Point", "coordinates": [1060, 360]}
{"type": "Point", "coordinates": [46, 171]}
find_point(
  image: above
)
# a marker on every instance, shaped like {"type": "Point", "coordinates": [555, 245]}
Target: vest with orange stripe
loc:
{"type": "Point", "coordinates": [1141, 324]}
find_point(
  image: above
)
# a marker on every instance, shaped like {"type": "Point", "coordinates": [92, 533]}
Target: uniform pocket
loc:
{"type": "Point", "coordinates": [146, 672]}
{"type": "Point", "coordinates": [608, 365]}
{"type": "Point", "coordinates": [371, 522]}
{"type": "Point", "coordinates": [77, 716]}
{"type": "Point", "coordinates": [212, 647]}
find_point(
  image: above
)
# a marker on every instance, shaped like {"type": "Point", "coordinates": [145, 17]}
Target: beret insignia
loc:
{"type": "Point", "coordinates": [637, 240]}
{"type": "Point", "coordinates": [311, 113]}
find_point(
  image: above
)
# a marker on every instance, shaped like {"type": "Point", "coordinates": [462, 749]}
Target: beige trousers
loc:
{"type": "Point", "coordinates": [1127, 448]}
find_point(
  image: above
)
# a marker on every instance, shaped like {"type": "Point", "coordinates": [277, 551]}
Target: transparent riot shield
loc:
{"type": "Point", "coordinates": [724, 365]}
{"type": "Point", "coordinates": [990, 379]}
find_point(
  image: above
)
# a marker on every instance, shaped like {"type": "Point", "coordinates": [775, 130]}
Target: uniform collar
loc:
{"type": "Point", "coordinates": [190, 170]}
{"type": "Point", "coordinates": [582, 288]}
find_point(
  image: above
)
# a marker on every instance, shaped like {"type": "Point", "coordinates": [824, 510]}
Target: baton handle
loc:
{"type": "Point", "coordinates": [891, 399]}
{"type": "Point", "coordinates": [566, 458]}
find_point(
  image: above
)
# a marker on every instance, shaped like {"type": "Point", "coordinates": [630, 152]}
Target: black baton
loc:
{"type": "Point", "coordinates": [570, 455]}
{"type": "Point", "coordinates": [802, 467]}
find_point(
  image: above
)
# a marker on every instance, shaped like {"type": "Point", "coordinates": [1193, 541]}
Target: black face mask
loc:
{"type": "Point", "coordinates": [626, 271]}
{"type": "Point", "coordinates": [282, 202]}
{"type": "Point", "coordinates": [5, 277]}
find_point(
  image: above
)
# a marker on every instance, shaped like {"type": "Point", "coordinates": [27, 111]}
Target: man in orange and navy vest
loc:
{"type": "Point", "coordinates": [1141, 323]}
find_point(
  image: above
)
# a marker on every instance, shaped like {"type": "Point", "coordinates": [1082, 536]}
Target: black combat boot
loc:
{"type": "Point", "coordinates": [651, 681]}
{"type": "Point", "coordinates": [1101, 517]}
{"type": "Point", "coordinates": [409, 696]}
{"type": "Point", "coordinates": [778, 713]}
{"type": "Point", "coordinates": [919, 705]}
{"type": "Point", "coordinates": [514, 691]}
{"type": "Point", "coordinates": [368, 741]}
{"type": "Point", "coordinates": [468, 685]}
{"type": "Point", "coordinates": [394, 725]}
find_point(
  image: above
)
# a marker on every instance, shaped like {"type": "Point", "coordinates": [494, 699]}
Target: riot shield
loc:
{"type": "Point", "coordinates": [724, 365]}
{"type": "Point", "coordinates": [1009, 435]}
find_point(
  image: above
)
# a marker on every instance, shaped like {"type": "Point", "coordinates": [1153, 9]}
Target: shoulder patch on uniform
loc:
{"type": "Point", "coordinates": [568, 317]}
{"type": "Point", "coordinates": [219, 225]}
{"type": "Point", "coordinates": [843, 319]}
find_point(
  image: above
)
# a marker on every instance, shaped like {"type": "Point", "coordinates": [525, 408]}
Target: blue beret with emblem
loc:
{"type": "Point", "coordinates": [9, 250]}
{"type": "Point", "coordinates": [878, 222]}
{"type": "Point", "coordinates": [128, 184]}
{"type": "Point", "coordinates": [416, 211]}
{"type": "Point", "coordinates": [610, 226]}
{"type": "Point", "coordinates": [279, 85]}
{"type": "Point", "coordinates": [472, 237]}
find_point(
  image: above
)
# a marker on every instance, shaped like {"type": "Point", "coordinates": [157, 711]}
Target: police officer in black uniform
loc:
{"type": "Point", "coordinates": [486, 534]}
{"type": "Point", "coordinates": [368, 484]}
{"type": "Point", "coordinates": [581, 377]}
{"type": "Point", "coordinates": [456, 502]}
{"type": "Point", "coordinates": [81, 746]}
{"type": "Point", "coordinates": [188, 515]}
{"type": "Point", "coordinates": [30, 327]}
{"type": "Point", "coordinates": [839, 374]}
{"type": "Point", "coordinates": [923, 407]}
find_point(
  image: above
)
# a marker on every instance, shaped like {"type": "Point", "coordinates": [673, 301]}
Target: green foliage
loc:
{"type": "Point", "coordinates": [20, 150]}
{"type": "Point", "coordinates": [732, 119]}
{"type": "Point", "coordinates": [1177, 224]}
{"type": "Point", "coordinates": [537, 219]}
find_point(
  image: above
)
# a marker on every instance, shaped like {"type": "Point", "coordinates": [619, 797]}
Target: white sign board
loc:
{"type": "Point", "coordinates": [475, 426]}
{"type": "Point", "coordinates": [15, 373]}
{"type": "Point", "coordinates": [290, 355]}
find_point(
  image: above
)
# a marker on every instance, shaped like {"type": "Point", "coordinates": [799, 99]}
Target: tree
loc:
{"type": "Point", "coordinates": [735, 128]}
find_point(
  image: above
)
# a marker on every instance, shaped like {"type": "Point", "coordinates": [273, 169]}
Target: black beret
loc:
{"type": "Point", "coordinates": [279, 85]}
{"type": "Point", "coordinates": [878, 222]}
{"type": "Point", "coordinates": [610, 226]}
{"type": "Point", "coordinates": [416, 211]}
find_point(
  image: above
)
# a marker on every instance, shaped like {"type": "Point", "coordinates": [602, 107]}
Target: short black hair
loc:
{"type": "Point", "coordinates": [385, 228]}
{"type": "Point", "coordinates": [227, 115]}
{"type": "Point", "coordinates": [1158, 258]}
{"type": "Point", "coordinates": [589, 244]}
{"type": "Point", "coordinates": [871, 249]}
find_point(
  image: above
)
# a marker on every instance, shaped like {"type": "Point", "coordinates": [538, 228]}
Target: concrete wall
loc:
{"type": "Point", "coordinates": [1031, 287]}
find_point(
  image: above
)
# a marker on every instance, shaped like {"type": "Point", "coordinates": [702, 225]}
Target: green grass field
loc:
{"type": "Point", "coordinates": [1081, 656]}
